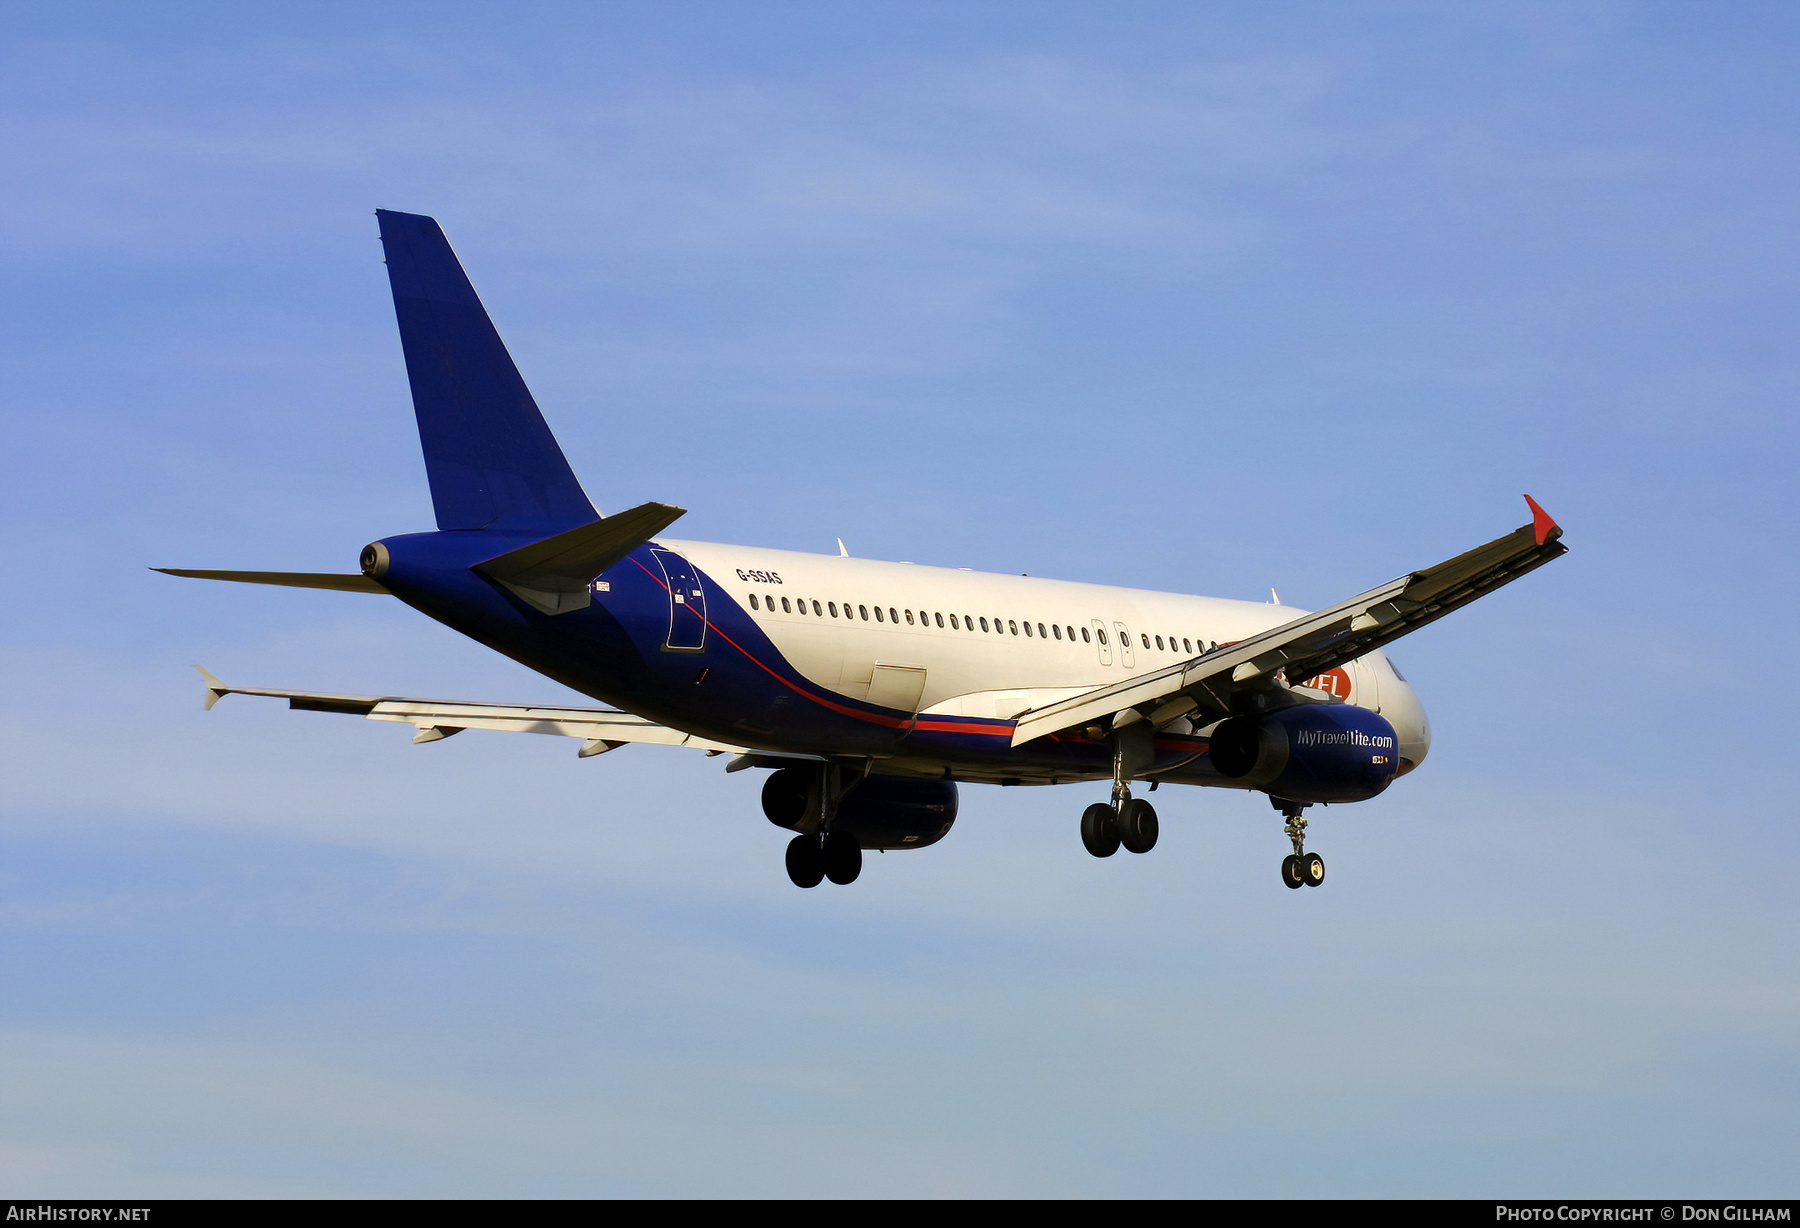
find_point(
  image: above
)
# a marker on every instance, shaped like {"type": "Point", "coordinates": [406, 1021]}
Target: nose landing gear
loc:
{"type": "Point", "coordinates": [1299, 868]}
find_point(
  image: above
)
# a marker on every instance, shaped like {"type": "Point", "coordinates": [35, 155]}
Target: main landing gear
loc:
{"type": "Point", "coordinates": [836, 856]}
{"type": "Point", "coordinates": [1299, 868]}
{"type": "Point", "coordinates": [1133, 826]}
{"type": "Point", "coordinates": [823, 853]}
{"type": "Point", "coordinates": [1129, 821]}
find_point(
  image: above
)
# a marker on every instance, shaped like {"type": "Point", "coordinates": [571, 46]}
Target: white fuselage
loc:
{"type": "Point", "coordinates": [965, 643]}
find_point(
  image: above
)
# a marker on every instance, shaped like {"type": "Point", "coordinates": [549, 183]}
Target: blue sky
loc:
{"type": "Point", "coordinates": [1179, 296]}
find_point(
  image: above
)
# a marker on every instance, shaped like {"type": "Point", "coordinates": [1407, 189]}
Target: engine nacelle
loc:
{"type": "Point", "coordinates": [882, 812]}
{"type": "Point", "coordinates": [1309, 752]}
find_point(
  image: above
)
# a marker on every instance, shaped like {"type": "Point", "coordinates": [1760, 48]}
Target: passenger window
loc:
{"type": "Point", "coordinates": [1145, 638]}
{"type": "Point", "coordinates": [940, 619]}
{"type": "Point", "coordinates": [1187, 645]}
{"type": "Point", "coordinates": [1041, 634]}
{"type": "Point", "coordinates": [1056, 629]}
{"type": "Point", "coordinates": [878, 617]}
{"type": "Point", "coordinates": [1027, 630]}
{"type": "Point", "coordinates": [1012, 626]}
{"type": "Point", "coordinates": [984, 624]}
{"type": "Point", "coordinates": [968, 622]}
{"type": "Point", "coordinates": [753, 604]}
{"type": "Point", "coordinates": [864, 611]}
{"type": "Point", "coordinates": [1084, 635]}
{"type": "Point", "coordinates": [817, 610]}
{"type": "Point", "coordinates": [786, 608]}
{"type": "Point", "coordinates": [1159, 641]}
{"type": "Point", "coordinates": [832, 606]}
{"type": "Point", "coordinates": [893, 616]}
{"type": "Point", "coordinates": [909, 618]}
{"type": "Point", "coordinates": [1101, 634]}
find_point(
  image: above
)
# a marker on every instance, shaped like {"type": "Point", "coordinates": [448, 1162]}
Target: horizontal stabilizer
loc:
{"type": "Point", "coordinates": [554, 574]}
{"type": "Point", "coordinates": [287, 579]}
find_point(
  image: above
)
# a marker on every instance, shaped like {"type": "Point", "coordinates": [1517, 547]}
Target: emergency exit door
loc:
{"type": "Point", "coordinates": [687, 603]}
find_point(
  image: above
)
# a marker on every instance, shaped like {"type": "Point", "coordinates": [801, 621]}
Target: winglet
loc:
{"type": "Point", "coordinates": [215, 690]}
{"type": "Point", "coordinates": [1545, 528]}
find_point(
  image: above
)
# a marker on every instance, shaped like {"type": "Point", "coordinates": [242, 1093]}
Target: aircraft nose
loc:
{"type": "Point", "coordinates": [1407, 715]}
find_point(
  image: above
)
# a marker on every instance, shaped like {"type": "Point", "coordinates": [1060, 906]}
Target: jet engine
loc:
{"type": "Point", "coordinates": [1309, 752]}
{"type": "Point", "coordinates": [882, 812]}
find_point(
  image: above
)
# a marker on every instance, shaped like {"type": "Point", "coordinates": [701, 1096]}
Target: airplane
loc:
{"type": "Point", "coordinates": [868, 690]}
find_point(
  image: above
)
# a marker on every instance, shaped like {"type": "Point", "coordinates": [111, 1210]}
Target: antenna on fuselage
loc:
{"type": "Point", "coordinates": [842, 553]}
{"type": "Point", "coordinates": [1274, 597]}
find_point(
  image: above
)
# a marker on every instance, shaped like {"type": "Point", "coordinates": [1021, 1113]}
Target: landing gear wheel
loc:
{"type": "Point", "coordinates": [1099, 831]}
{"type": "Point", "coordinates": [1312, 869]}
{"type": "Point", "coordinates": [842, 857]}
{"type": "Point", "coordinates": [1137, 825]}
{"type": "Point", "coordinates": [1290, 871]}
{"type": "Point", "coordinates": [805, 861]}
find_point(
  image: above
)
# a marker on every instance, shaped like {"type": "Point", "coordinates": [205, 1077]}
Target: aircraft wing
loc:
{"type": "Point", "coordinates": [601, 729]}
{"type": "Point", "coordinates": [1312, 643]}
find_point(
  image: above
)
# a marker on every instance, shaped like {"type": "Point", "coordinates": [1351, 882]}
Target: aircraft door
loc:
{"type": "Point", "coordinates": [687, 603]}
{"type": "Point", "coordinates": [1124, 633]}
{"type": "Point", "coordinates": [1100, 640]}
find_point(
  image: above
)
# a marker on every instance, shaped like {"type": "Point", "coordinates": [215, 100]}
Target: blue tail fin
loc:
{"type": "Point", "coordinates": [492, 461]}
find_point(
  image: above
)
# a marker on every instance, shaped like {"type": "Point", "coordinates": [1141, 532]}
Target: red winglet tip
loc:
{"type": "Point", "coordinates": [1541, 523]}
